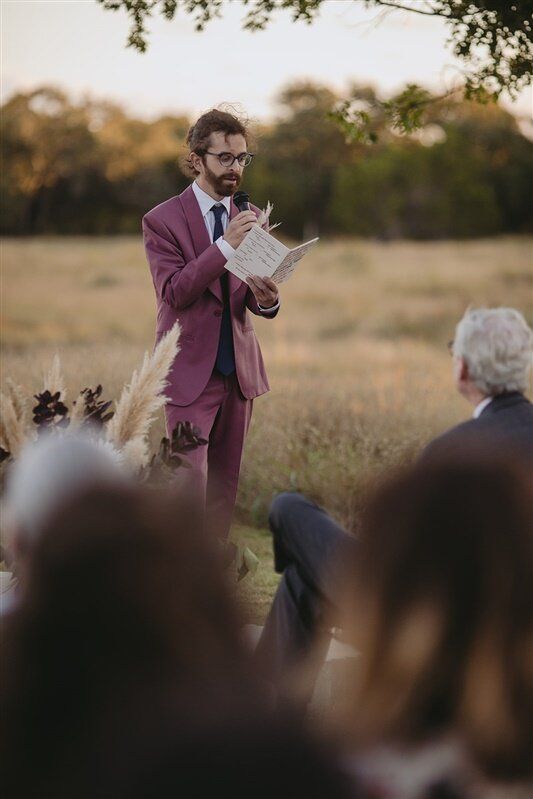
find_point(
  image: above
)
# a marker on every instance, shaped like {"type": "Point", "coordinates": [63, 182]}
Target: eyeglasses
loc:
{"type": "Point", "coordinates": [228, 159]}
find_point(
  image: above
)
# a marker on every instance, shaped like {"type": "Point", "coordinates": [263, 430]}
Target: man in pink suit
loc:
{"type": "Point", "coordinates": [219, 369]}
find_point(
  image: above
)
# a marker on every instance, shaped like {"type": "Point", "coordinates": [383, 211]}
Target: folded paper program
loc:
{"type": "Point", "coordinates": [263, 255]}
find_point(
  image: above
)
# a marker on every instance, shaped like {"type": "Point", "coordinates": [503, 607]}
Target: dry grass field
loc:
{"type": "Point", "coordinates": [357, 358]}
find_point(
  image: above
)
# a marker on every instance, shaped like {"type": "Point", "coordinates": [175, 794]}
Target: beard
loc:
{"type": "Point", "coordinates": [220, 185]}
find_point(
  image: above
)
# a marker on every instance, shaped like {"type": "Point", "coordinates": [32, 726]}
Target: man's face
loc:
{"type": "Point", "coordinates": [218, 180]}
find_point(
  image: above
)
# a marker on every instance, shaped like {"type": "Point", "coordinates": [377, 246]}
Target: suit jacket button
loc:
{"type": "Point", "coordinates": [217, 313]}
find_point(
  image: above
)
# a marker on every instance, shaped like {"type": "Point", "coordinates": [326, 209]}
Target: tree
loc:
{"type": "Point", "coordinates": [88, 167]}
{"type": "Point", "coordinates": [85, 167]}
{"type": "Point", "coordinates": [45, 142]}
{"type": "Point", "coordinates": [467, 173]}
{"type": "Point", "coordinates": [493, 39]}
{"type": "Point", "coordinates": [298, 158]}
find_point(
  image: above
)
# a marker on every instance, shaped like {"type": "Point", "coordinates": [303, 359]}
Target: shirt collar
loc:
{"type": "Point", "coordinates": [480, 407]}
{"type": "Point", "coordinates": [206, 202]}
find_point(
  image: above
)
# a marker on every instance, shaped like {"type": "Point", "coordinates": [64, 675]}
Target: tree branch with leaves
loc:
{"type": "Point", "coordinates": [493, 38]}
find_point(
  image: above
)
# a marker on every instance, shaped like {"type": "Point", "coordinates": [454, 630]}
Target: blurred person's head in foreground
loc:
{"type": "Point", "coordinates": [124, 669]}
{"type": "Point", "coordinates": [440, 608]}
{"type": "Point", "coordinates": [123, 602]}
{"type": "Point", "coordinates": [493, 353]}
{"type": "Point", "coordinates": [49, 472]}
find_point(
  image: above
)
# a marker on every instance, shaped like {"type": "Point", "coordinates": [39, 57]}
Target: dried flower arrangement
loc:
{"type": "Point", "coordinates": [264, 218]}
{"type": "Point", "coordinates": [125, 430]}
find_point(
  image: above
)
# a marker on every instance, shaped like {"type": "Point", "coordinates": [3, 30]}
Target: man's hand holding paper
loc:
{"type": "Point", "coordinates": [265, 291]}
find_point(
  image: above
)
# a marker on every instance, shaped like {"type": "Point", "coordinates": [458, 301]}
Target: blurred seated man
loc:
{"type": "Point", "coordinates": [47, 473]}
{"type": "Point", "coordinates": [492, 357]}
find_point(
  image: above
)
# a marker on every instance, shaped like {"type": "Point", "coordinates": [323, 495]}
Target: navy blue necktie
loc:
{"type": "Point", "coordinates": [225, 362]}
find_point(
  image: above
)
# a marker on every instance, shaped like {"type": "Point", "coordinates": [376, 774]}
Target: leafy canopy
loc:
{"type": "Point", "coordinates": [493, 39]}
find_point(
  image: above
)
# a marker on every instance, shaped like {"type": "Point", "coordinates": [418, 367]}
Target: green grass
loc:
{"type": "Point", "coordinates": [255, 592]}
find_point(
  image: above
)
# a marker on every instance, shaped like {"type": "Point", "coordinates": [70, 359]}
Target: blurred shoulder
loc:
{"type": "Point", "coordinates": [511, 431]}
{"type": "Point", "coordinates": [451, 439]}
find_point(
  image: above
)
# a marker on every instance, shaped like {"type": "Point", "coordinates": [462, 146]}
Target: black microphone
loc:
{"type": "Point", "coordinates": [242, 201]}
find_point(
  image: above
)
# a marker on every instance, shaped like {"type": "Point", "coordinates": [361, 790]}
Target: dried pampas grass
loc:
{"type": "Point", "coordinates": [54, 382]}
{"type": "Point", "coordinates": [141, 400]}
{"type": "Point", "coordinates": [77, 412]}
{"type": "Point", "coordinates": [19, 400]}
{"type": "Point", "coordinates": [135, 453]}
{"type": "Point", "coordinates": [13, 433]}
{"type": "Point", "coordinates": [126, 431]}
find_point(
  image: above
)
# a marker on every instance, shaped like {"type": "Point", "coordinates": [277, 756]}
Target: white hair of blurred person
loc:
{"type": "Point", "coordinates": [496, 347]}
{"type": "Point", "coordinates": [47, 474]}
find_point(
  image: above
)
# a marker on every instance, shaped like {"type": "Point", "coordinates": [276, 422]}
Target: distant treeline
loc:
{"type": "Point", "coordinates": [89, 168]}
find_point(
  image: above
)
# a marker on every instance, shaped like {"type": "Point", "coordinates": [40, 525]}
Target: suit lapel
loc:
{"type": "Point", "coordinates": [199, 235]}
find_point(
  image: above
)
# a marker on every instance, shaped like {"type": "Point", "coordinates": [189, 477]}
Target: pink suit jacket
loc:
{"type": "Point", "coordinates": [183, 262]}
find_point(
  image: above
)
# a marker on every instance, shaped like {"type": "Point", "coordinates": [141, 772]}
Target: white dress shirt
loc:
{"type": "Point", "coordinates": [206, 207]}
{"type": "Point", "coordinates": [480, 407]}
{"type": "Point", "coordinates": [206, 202]}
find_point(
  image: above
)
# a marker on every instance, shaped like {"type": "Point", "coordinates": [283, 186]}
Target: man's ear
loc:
{"type": "Point", "coordinates": [464, 374]}
{"type": "Point", "coordinates": [194, 160]}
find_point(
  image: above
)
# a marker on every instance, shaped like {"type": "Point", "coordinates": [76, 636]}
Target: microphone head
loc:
{"type": "Point", "coordinates": [242, 200]}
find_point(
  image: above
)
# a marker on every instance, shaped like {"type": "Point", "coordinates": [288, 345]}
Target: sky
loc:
{"type": "Point", "coordinates": [81, 47]}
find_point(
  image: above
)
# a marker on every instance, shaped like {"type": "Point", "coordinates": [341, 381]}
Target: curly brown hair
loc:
{"type": "Point", "coordinates": [214, 121]}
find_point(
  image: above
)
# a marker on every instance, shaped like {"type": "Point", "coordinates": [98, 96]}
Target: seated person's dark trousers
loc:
{"type": "Point", "coordinates": [308, 547]}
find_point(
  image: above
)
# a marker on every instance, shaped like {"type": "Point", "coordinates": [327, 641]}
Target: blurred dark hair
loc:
{"type": "Point", "coordinates": [441, 611]}
{"type": "Point", "coordinates": [125, 603]}
{"type": "Point", "coordinates": [213, 121]}
{"type": "Point", "coordinates": [123, 669]}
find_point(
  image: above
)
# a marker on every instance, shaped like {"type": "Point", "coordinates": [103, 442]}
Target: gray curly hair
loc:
{"type": "Point", "coordinates": [497, 346]}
